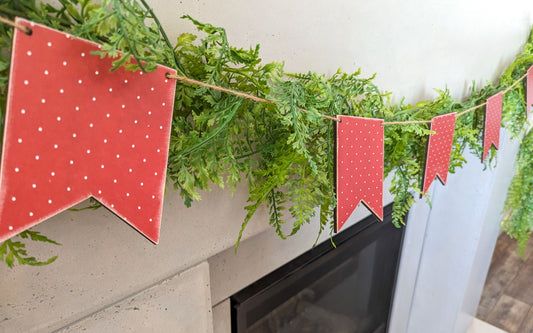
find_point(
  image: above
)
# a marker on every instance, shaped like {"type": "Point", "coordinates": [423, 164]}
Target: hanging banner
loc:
{"type": "Point", "coordinates": [75, 130]}
{"type": "Point", "coordinates": [359, 167]}
{"type": "Point", "coordinates": [529, 90]}
{"type": "Point", "coordinates": [493, 120]}
{"type": "Point", "coordinates": [439, 150]}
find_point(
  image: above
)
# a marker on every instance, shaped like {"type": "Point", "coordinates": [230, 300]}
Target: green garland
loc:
{"type": "Point", "coordinates": [283, 154]}
{"type": "Point", "coordinates": [518, 208]}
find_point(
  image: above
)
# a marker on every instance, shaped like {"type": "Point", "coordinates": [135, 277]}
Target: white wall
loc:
{"type": "Point", "coordinates": [413, 45]}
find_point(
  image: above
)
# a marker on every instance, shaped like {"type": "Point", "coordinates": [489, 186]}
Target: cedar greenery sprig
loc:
{"type": "Point", "coordinates": [283, 154]}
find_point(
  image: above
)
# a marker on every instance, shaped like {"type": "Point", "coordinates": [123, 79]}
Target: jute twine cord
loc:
{"type": "Point", "coordinates": [184, 79]}
{"type": "Point", "coordinates": [263, 100]}
{"type": "Point", "coordinates": [407, 122]}
{"type": "Point", "coordinates": [515, 83]}
{"type": "Point", "coordinates": [22, 28]}
{"type": "Point", "coordinates": [229, 91]}
{"type": "Point", "coordinates": [503, 92]}
{"type": "Point", "coordinates": [471, 109]}
{"type": "Point", "coordinates": [234, 92]}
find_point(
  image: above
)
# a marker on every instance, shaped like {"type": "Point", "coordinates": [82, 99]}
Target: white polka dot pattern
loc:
{"type": "Point", "coordinates": [529, 90]}
{"type": "Point", "coordinates": [78, 117]}
{"type": "Point", "coordinates": [359, 167]}
{"type": "Point", "coordinates": [439, 150]}
{"type": "Point", "coordinates": [493, 121]}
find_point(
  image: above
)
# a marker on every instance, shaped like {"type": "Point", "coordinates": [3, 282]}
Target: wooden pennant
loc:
{"type": "Point", "coordinates": [439, 150]}
{"type": "Point", "coordinates": [493, 120]}
{"type": "Point", "coordinates": [359, 167]}
{"type": "Point", "coordinates": [529, 90]}
{"type": "Point", "coordinates": [75, 130]}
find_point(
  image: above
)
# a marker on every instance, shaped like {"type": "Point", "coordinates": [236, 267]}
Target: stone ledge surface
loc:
{"type": "Point", "coordinates": [180, 304]}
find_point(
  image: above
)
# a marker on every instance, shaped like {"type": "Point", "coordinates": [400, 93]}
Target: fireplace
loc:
{"type": "Point", "coordinates": [347, 288]}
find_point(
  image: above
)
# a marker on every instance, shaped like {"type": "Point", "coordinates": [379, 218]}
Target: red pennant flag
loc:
{"type": "Point", "coordinates": [439, 150]}
{"type": "Point", "coordinates": [75, 130]}
{"type": "Point", "coordinates": [529, 90]}
{"type": "Point", "coordinates": [493, 120]}
{"type": "Point", "coordinates": [359, 167]}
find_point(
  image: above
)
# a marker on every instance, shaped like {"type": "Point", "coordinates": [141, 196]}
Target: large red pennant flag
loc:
{"type": "Point", "coordinates": [529, 90]}
{"type": "Point", "coordinates": [75, 130]}
{"type": "Point", "coordinates": [493, 120]}
{"type": "Point", "coordinates": [439, 150]}
{"type": "Point", "coordinates": [359, 167]}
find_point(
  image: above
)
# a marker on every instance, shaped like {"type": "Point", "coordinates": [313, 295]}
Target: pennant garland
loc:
{"type": "Point", "coordinates": [56, 87]}
{"type": "Point", "coordinates": [493, 119]}
{"type": "Point", "coordinates": [529, 90]}
{"type": "Point", "coordinates": [75, 130]}
{"type": "Point", "coordinates": [359, 167]}
{"type": "Point", "coordinates": [439, 150]}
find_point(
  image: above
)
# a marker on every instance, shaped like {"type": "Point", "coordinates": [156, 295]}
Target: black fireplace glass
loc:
{"type": "Point", "coordinates": [347, 288]}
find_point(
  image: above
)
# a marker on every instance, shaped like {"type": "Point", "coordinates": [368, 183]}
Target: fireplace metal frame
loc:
{"type": "Point", "coordinates": [250, 304]}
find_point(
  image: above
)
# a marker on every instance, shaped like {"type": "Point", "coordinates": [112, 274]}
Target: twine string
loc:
{"type": "Point", "coordinates": [406, 122]}
{"type": "Point", "coordinates": [236, 93]}
{"type": "Point", "coordinates": [515, 83]}
{"type": "Point", "coordinates": [503, 92]}
{"type": "Point", "coordinates": [471, 109]}
{"type": "Point", "coordinates": [211, 86]}
{"type": "Point", "coordinates": [263, 100]}
{"type": "Point", "coordinates": [15, 25]}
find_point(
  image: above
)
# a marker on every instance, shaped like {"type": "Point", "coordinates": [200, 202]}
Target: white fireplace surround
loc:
{"type": "Point", "coordinates": [108, 278]}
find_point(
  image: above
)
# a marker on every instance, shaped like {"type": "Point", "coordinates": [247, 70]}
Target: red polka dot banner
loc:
{"type": "Point", "coordinates": [359, 167]}
{"type": "Point", "coordinates": [439, 150]}
{"type": "Point", "coordinates": [493, 119]}
{"type": "Point", "coordinates": [75, 130]}
{"type": "Point", "coordinates": [529, 90]}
